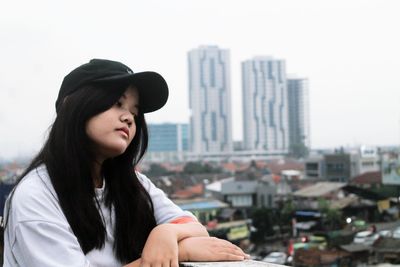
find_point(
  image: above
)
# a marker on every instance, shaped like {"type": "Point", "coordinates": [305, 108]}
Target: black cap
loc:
{"type": "Point", "coordinates": [152, 88]}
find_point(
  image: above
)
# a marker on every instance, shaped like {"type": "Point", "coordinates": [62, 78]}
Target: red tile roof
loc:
{"type": "Point", "coordinates": [368, 178]}
{"type": "Point", "coordinates": [189, 192]}
{"type": "Point", "coordinates": [277, 166]}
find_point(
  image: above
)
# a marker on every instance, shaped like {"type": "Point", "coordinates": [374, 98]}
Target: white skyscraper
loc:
{"type": "Point", "coordinates": [265, 117]}
{"type": "Point", "coordinates": [299, 120]}
{"type": "Point", "coordinates": [210, 100]}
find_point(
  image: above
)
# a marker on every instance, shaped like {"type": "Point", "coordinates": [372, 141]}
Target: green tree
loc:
{"type": "Point", "coordinates": [299, 150]}
{"type": "Point", "coordinates": [193, 167]}
{"type": "Point", "coordinates": [198, 168]}
{"type": "Point", "coordinates": [287, 212]}
{"type": "Point", "coordinates": [263, 221]}
{"type": "Point", "coordinates": [157, 170]}
{"type": "Point", "coordinates": [332, 218]}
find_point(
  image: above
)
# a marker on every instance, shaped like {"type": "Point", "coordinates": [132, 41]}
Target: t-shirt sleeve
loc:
{"type": "Point", "coordinates": [44, 244]}
{"type": "Point", "coordinates": [38, 234]}
{"type": "Point", "coordinates": [165, 211]}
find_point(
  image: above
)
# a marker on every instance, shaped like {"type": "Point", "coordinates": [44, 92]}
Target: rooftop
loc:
{"type": "Point", "coordinates": [319, 189]}
{"type": "Point", "coordinates": [200, 204]}
{"type": "Point", "coordinates": [239, 187]}
{"type": "Point", "coordinates": [368, 178]}
{"type": "Point", "coordinates": [216, 186]}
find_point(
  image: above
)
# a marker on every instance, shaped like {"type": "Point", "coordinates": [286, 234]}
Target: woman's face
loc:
{"type": "Point", "coordinates": [113, 130]}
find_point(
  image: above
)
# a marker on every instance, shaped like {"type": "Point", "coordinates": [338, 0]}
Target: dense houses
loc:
{"type": "Point", "coordinates": [331, 196]}
{"type": "Point", "coordinates": [337, 205]}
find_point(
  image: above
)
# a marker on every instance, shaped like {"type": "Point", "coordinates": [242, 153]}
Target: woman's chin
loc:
{"type": "Point", "coordinates": [115, 151]}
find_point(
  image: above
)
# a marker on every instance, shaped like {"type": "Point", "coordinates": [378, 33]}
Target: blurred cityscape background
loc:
{"type": "Point", "coordinates": [298, 167]}
{"type": "Point", "coordinates": [270, 193]}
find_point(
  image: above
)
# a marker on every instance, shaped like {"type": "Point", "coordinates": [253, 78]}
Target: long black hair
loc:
{"type": "Point", "coordinates": [69, 157]}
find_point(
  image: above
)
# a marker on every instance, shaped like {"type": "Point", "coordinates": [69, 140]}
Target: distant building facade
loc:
{"type": "Point", "coordinates": [168, 142]}
{"type": "Point", "coordinates": [244, 194]}
{"type": "Point", "coordinates": [265, 107]}
{"type": "Point", "coordinates": [210, 100]}
{"type": "Point", "coordinates": [340, 167]}
{"type": "Point", "coordinates": [369, 160]}
{"type": "Point", "coordinates": [299, 118]}
{"type": "Point", "coordinates": [314, 167]}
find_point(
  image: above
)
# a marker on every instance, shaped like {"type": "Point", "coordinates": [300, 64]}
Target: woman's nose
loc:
{"type": "Point", "coordinates": [127, 117]}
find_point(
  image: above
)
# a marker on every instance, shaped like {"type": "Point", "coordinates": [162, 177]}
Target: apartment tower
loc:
{"type": "Point", "coordinates": [265, 105]}
{"type": "Point", "coordinates": [299, 120]}
{"type": "Point", "coordinates": [210, 100]}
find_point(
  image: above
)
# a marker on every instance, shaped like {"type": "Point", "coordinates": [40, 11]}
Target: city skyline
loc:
{"type": "Point", "coordinates": [347, 49]}
{"type": "Point", "coordinates": [275, 110]}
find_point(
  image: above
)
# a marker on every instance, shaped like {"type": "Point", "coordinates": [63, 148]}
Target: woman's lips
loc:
{"type": "Point", "coordinates": [124, 130]}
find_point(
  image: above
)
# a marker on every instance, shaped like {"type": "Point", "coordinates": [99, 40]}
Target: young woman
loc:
{"type": "Point", "coordinates": [81, 202]}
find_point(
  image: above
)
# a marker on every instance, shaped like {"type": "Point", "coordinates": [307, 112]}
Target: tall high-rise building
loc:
{"type": "Point", "coordinates": [299, 120]}
{"type": "Point", "coordinates": [210, 100]}
{"type": "Point", "coordinates": [265, 117]}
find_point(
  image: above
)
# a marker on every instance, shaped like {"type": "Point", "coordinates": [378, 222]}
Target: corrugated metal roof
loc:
{"type": "Point", "coordinates": [319, 189]}
{"type": "Point", "coordinates": [344, 202]}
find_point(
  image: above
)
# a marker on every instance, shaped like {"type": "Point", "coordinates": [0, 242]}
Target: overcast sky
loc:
{"type": "Point", "coordinates": [349, 50]}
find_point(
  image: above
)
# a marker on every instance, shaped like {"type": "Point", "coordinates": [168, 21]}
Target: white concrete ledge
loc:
{"type": "Point", "coordinates": [246, 263]}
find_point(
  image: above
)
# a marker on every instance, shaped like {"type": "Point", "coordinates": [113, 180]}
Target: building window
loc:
{"type": "Point", "coordinates": [212, 72]}
{"type": "Point", "coordinates": [214, 126]}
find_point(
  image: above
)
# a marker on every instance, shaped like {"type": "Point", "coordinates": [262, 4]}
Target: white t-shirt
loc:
{"type": "Point", "coordinates": [38, 233]}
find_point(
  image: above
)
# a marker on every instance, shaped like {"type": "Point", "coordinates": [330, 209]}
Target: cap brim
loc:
{"type": "Point", "coordinates": [153, 89]}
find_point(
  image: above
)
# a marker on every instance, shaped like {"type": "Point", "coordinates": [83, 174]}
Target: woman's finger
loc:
{"type": "Point", "coordinates": [232, 251]}
{"type": "Point", "coordinates": [228, 245]}
{"type": "Point", "coordinates": [174, 263]}
{"type": "Point", "coordinates": [231, 257]}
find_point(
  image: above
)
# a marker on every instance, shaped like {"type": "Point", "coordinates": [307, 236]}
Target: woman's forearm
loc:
{"type": "Point", "coordinates": [185, 230]}
{"type": "Point", "coordinates": [162, 243]}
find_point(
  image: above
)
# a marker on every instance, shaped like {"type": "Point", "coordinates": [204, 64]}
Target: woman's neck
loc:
{"type": "Point", "coordinates": [96, 174]}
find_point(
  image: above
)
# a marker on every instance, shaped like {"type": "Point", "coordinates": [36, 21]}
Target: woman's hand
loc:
{"type": "Point", "coordinates": [209, 249]}
{"type": "Point", "coordinates": [161, 248]}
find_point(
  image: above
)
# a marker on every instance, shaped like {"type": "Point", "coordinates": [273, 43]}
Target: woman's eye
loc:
{"type": "Point", "coordinates": [118, 104]}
